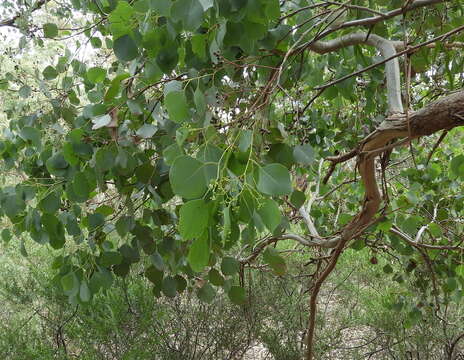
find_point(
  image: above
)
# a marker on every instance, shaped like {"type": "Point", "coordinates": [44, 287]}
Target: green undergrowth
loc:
{"type": "Point", "coordinates": [359, 314]}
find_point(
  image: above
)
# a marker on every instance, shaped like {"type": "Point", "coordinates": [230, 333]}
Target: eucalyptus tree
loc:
{"type": "Point", "coordinates": [201, 133]}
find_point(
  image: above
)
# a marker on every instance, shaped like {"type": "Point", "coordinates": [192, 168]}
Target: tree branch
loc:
{"type": "Point", "coordinates": [11, 21]}
{"type": "Point", "coordinates": [415, 244]}
{"type": "Point", "coordinates": [407, 51]}
{"type": "Point", "coordinates": [386, 48]}
{"type": "Point", "coordinates": [374, 19]}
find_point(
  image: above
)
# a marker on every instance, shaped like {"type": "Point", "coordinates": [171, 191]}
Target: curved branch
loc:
{"type": "Point", "coordinates": [409, 50]}
{"type": "Point", "coordinates": [386, 48]}
{"type": "Point", "coordinates": [445, 113]}
{"type": "Point", "coordinates": [415, 244]}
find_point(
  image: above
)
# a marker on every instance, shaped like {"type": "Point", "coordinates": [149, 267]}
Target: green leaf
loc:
{"type": "Point", "coordinates": [215, 277]}
{"type": "Point", "coordinates": [157, 260]}
{"type": "Point", "coordinates": [171, 153]}
{"type": "Point", "coordinates": [115, 86]}
{"type": "Point", "coordinates": [187, 177]}
{"type": "Point", "coordinates": [189, 12]}
{"type": "Point", "coordinates": [387, 269]}
{"type": "Point", "coordinates": [31, 134]}
{"type": "Point", "coordinates": [120, 19]}
{"type": "Point", "coordinates": [198, 256]}
{"type": "Point", "coordinates": [206, 293]}
{"type": "Point", "coordinates": [154, 275]}
{"type": "Point", "coordinates": [457, 166]}
{"type": "Point", "coordinates": [194, 217]}
{"type": "Point", "coordinates": [95, 221]}
{"type": "Point", "coordinates": [169, 286]}
{"type": "Point", "coordinates": [176, 105]}
{"type": "Point", "coordinates": [270, 214]}
{"type": "Point", "coordinates": [70, 284]}
{"type": "Point", "coordinates": [84, 292]}
{"type": "Point", "coordinates": [297, 199]}
{"type": "Point", "coordinates": [134, 107]}
{"type": "Point", "coordinates": [96, 42]}
{"type": "Point", "coordinates": [460, 270]}
{"type": "Point", "coordinates": [54, 229]}
{"type": "Point", "coordinates": [101, 279]}
{"type": "Point", "coordinates": [200, 101]}
{"type": "Point", "coordinates": [109, 258]}
{"type": "Point", "coordinates": [124, 225]}
{"type": "Point", "coordinates": [274, 180]}
{"type": "Point", "coordinates": [81, 185]}
{"type": "Point", "coordinates": [146, 131]}
{"type": "Point", "coordinates": [167, 58]}
{"type": "Point", "coordinates": [125, 48]}
{"type": "Point", "coordinates": [6, 235]}
{"type": "Point", "coordinates": [105, 158]}
{"type": "Point", "coordinates": [230, 266]}
{"type": "Point", "coordinates": [101, 121]}
{"type": "Point", "coordinates": [49, 73]}
{"type": "Point", "coordinates": [435, 230]}
{"type": "Point", "coordinates": [50, 30]}
{"type": "Point", "coordinates": [12, 205]}
{"type": "Point", "coordinates": [303, 154]}
{"type": "Point", "coordinates": [275, 261]}
{"type": "Point", "coordinates": [50, 204]}
{"type": "Point", "coordinates": [96, 75]}
{"type": "Point", "coordinates": [237, 295]}
{"type": "Point", "coordinates": [246, 137]}
{"type": "Point", "coordinates": [25, 91]}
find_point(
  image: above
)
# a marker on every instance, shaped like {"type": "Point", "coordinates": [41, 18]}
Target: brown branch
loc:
{"type": "Point", "coordinates": [314, 294]}
{"type": "Point", "coordinates": [335, 160]}
{"type": "Point", "coordinates": [435, 117]}
{"type": "Point", "coordinates": [11, 21]}
{"type": "Point", "coordinates": [437, 144]}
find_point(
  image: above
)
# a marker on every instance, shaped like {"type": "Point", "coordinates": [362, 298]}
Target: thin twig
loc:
{"type": "Point", "coordinates": [437, 144]}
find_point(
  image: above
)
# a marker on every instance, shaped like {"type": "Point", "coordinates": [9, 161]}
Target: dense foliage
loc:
{"type": "Point", "coordinates": [182, 139]}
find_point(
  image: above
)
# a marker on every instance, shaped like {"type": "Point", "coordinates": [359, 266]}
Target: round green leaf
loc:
{"type": "Point", "coordinates": [176, 105]}
{"type": "Point", "coordinates": [193, 219]}
{"type": "Point", "coordinates": [270, 214]}
{"type": "Point", "coordinates": [230, 266]}
{"type": "Point", "coordinates": [215, 277]}
{"type": "Point", "coordinates": [84, 292]}
{"type": "Point", "coordinates": [237, 295]}
{"type": "Point", "coordinates": [125, 48]}
{"type": "Point", "coordinates": [304, 154]}
{"type": "Point", "coordinates": [154, 275]}
{"type": "Point", "coordinates": [50, 30]}
{"type": "Point", "coordinates": [206, 293]}
{"type": "Point", "coordinates": [187, 177]}
{"type": "Point", "coordinates": [96, 74]}
{"type": "Point", "coordinates": [297, 199]}
{"type": "Point", "coordinates": [457, 166]}
{"type": "Point", "coordinates": [274, 180]}
{"type": "Point", "coordinates": [49, 73]}
{"type": "Point", "coordinates": [169, 286]}
{"type": "Point", "coordinates": [189, 12]}
{"type": "Point", "coordinates": [25, 91]}
{"type": "Point", "coordinates": [70, 284]}
{"type": "Point", "coordinates": [50, 204]}
{"type": "Point", "coordinates": [198, 256]}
